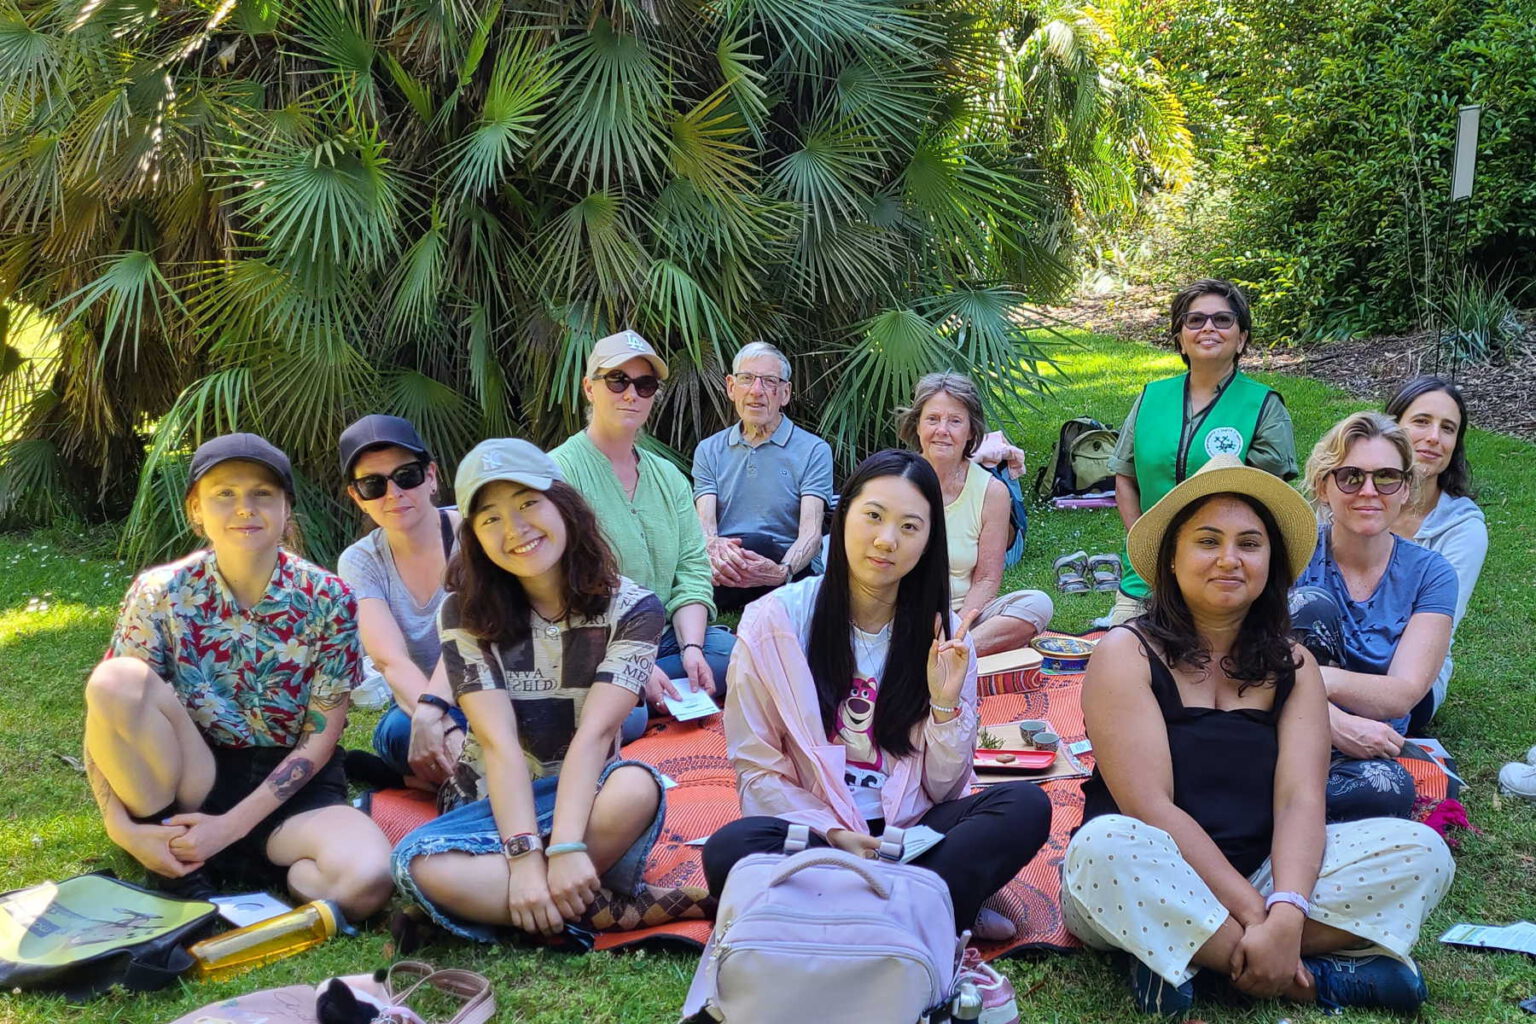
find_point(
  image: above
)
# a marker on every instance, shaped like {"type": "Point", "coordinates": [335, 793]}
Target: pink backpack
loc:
{"type": "Point", "coordinates": [822, 935]}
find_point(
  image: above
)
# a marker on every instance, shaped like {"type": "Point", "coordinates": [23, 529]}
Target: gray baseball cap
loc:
{"type": "Point", "coordinates": [618, 349]}
{"type": "Point", "coordinates": [503, 458]}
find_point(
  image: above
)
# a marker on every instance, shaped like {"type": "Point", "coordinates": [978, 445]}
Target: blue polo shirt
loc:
{"type": "Point", "coordinates": [759, 489]}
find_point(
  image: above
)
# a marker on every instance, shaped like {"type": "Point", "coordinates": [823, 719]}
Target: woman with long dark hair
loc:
{"type": "Point", "coordinates": [1204, 845]}
{"type": "Point", "coordinates": [1441, 515]}
{"type": "Point", "coordinates": [852, 702]}
{"type": "Point", "coordinates": [546, 647]}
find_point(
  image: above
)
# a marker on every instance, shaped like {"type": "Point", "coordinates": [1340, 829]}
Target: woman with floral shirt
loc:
{"type": "Point", "coordinates": [211, 727]}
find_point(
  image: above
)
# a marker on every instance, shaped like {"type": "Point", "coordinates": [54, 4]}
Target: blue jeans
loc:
{"type": "Point", "coordinates": [472, 829]}
{"type": "Point", "coordinates": [392, 737]}
{"type": "Point", "coordinates": [719, 642]}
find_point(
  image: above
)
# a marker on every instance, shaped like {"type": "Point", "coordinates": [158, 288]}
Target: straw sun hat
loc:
{"type": "Point", "coordinates": [1221, 475]}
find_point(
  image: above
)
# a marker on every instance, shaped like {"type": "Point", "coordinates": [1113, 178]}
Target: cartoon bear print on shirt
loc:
{"type": "Point", "coordinates": [856, 723]}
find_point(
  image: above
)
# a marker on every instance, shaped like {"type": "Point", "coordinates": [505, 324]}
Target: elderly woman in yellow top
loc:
{"type": "Point", "coordinates": [946, 423]}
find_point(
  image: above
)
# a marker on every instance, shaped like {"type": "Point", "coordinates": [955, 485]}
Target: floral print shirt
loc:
{"type": "Point", "coordinates": [246, 678]}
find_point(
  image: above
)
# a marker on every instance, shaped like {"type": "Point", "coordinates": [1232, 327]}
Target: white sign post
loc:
{"type": "Point", "coordinates": [1467, 120]}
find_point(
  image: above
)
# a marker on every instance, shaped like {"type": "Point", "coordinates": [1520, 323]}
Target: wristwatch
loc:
{"type": "Point", "coordinates": [521, 845]}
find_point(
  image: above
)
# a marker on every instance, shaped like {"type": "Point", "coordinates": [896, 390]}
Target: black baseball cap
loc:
{"type": "Point", "coordinates": [378, 431]}
{"type": "Point", "coordinates": [247, 447]}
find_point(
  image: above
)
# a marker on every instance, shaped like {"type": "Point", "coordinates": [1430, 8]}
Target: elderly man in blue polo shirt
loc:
{"type": "Point", "coordinates": [761, 486]}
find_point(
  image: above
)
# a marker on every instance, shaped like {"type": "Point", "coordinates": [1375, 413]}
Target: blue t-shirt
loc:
{"type": "Point", "coordinates": [1417, 580]}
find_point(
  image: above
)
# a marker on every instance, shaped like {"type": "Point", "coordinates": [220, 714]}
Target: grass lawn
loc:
{"type": "Point", "coordinates": [59, 594]}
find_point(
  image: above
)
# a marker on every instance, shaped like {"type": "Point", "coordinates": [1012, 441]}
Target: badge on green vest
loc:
{"type": "Point", "coordinates": [1224, 441]}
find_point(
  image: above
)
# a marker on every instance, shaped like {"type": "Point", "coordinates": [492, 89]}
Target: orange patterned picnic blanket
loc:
{"type": "Point", "coordinates": [704, 799]}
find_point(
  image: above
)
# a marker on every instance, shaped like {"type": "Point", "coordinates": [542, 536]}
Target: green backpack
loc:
{"type": "Point", "coordinates": [1080, 462]}
{"type": "Point", "coordinates": [85, 934]}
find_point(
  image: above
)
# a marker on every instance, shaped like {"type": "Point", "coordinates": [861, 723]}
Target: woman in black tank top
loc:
{"type": "Point", "coordinates": [1210, 732]}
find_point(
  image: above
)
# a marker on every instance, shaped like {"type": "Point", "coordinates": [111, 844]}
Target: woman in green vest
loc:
{"type": "Point", "coordinates": [1178, 423]}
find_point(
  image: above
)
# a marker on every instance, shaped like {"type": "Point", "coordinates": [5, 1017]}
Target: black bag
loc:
{"type": "Point", "coordinates": [1080, 462]}
{"type": "Point", "coordinates": [85, 934]}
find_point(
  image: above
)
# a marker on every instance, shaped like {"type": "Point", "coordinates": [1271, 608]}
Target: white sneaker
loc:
{"type": "Point", "coordinates": [1518, 779]}
{"type": "Point", "coordinates": [1530, 756]}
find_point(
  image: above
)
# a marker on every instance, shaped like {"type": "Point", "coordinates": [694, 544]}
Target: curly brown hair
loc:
{"type": "Point", "coordinates": [492, 601]}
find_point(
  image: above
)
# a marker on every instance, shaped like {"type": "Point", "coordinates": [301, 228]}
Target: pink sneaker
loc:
{"type": "Point", "coordinates": [998, 1004]}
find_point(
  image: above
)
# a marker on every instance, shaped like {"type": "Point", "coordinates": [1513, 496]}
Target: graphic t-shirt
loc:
{"type": "Point", "coordinates": [548, 675]}
{"type": "Point", "coordinates": [867, 764]}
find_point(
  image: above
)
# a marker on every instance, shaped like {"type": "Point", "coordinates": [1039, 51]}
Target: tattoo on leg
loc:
{"type": "Point", "coordinates": [101, 789]}
{"type": "Point", "coordinates": [613, 912]}
{"type": "Point", "coordinates": [290, 777]}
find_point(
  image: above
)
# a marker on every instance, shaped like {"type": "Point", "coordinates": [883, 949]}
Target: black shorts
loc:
{"type": "Point", "coordinates": [237, 774]}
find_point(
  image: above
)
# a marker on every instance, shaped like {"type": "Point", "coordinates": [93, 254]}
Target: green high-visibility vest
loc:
{"type": "Point", "coordinates": [1164, 458]}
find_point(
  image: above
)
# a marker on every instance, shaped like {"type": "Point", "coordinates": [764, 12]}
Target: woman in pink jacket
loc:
{"type": "Point", "coordinates": [852, 702]}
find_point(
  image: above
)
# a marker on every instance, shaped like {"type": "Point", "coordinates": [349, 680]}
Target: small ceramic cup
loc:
{"type": "Point", "coordinates": [1046, 740]}
{"type": "Point", "coordinates": [1029, 727]}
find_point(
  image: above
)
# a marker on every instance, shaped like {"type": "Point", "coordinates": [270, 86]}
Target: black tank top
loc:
{"type": "Point", "coordinates": [1223, 767]}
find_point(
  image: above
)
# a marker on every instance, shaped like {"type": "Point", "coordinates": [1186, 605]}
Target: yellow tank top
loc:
{"type": "Point", "coordinates": [962, 523]}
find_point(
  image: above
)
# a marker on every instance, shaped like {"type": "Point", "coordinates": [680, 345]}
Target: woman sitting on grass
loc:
{"type": "Point", "coordinates": [1203, 845]}
{"type": "Point", "coordinates": [1442, 515]}
{"type": "Point", "coordinates": [211, 728]}
{"type": "Point", "coordinates": [396, 573]}
{"type": "Point", "coordinates": [946, 423]}
{"type": "Point", "coordinates": [546, 647]}
{"type": "Point", "coordinates": [852, 703]}
{"type": "Point", "coordinates": [1374, 608]}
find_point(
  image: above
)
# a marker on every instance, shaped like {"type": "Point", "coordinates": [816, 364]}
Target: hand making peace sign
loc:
{"type": "Point", "coordinates": [947, 661]}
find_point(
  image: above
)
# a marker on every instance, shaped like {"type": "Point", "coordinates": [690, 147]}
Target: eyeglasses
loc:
{"type": "Point", "coordinates": [768, 381]}
{"type": "Point", "coordinates": [618, 380]}
{"type": "Point", "coordinates": [375, 485]}
{"type": "Point", "coordinates": [1196, 321]}
{"type": "Point", "coordinates": [1350, 479]}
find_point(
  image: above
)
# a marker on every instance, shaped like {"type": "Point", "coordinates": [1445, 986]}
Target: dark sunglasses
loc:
{"type": "Point", "coordinates": [1350, 479]}
{"type": "Point", "coordinates": [1196, 321]}
{"type": "Point", "coordinates": [617, 381]}
{"type": "Point", "coordinates": [375, 485]}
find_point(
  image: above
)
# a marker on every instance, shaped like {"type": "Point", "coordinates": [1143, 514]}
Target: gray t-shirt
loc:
{"type": "Point", "coordinates": [369, 569]}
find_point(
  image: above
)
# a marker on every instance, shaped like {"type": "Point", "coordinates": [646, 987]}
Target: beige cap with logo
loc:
{"type": "Point", "coordinates": [618, 349]}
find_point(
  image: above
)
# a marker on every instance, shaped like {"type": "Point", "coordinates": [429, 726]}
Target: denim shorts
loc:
{"type": "Point", "coordinates": [472, 829]}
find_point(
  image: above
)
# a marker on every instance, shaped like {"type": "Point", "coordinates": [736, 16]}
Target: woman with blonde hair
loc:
{"type": "Point", "coordinates": [1374, 607]}
{"type": "Point", "coordinates": [946, 424]}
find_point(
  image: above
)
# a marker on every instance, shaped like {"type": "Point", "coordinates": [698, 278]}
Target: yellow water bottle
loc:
{"type": "Point", "coordinates": [243, 949]}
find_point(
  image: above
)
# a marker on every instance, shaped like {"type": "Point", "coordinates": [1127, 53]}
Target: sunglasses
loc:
{"type": "Point", "coordinates": [1350, 479]}
{"type": "Point", "coordinates": [617, 381]}
{"type": "Point", "coordinates": [375, 485]}
{"type": "Point", "coordinates": [1196, 321]}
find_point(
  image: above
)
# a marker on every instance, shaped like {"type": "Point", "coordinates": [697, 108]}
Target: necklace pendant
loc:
{"type": "Point", "coordinates": [552, 631]}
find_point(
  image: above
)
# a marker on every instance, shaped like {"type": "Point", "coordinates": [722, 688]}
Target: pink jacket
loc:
{"type": "Point", "coordinates": [787, 767]}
